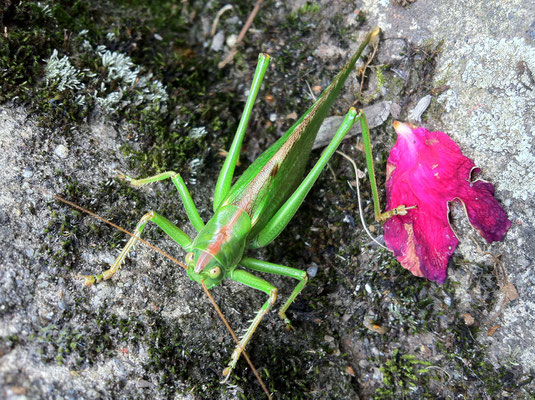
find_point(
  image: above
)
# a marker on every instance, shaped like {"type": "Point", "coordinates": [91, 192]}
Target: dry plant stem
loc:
{"type": "Point", "coordinates": [227, 325]}
{"type": "Point", "coordinates": [218, 15]}
{"type": "Point", "coordinates": [361, 212]}
{"type": "Point", "coordinates": [332, 171]}
{"type": "Point", "coordinates": [311, 92]}
{"type": "Point", "coordinates": [234, 49]}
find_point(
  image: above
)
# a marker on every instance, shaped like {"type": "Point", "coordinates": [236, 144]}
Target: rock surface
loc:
{"type": "Point", "coordinates": [150, 332]}
{"type": "Point", "coordinates": [488, 63]}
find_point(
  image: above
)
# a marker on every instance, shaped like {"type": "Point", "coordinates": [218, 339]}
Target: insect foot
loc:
{"type": "Point", "coordinates": [289, 326]}
{"type": "Point", "coordinates": [90, 280]}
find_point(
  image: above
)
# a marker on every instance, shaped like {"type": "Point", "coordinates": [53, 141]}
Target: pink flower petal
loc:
{"type": "Point", "coordinates": [427, 169]}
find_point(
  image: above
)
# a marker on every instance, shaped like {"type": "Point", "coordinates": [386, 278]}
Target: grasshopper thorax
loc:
{"type": "Point", "coordinates": [219, 246]}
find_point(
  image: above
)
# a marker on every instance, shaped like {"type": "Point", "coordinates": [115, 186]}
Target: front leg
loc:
{"type": "Point", "coordinates": [270, 268]}
{"type": "Point", "coordinates": [255, 282]}
{"type": "Point", "coordinates": [167, 226]}
{"type": "Point", "coordinates": [191, 210]}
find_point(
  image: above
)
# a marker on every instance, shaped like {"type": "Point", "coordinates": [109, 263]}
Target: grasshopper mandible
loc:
{"type": "Point", "coordinates": [252, 212]}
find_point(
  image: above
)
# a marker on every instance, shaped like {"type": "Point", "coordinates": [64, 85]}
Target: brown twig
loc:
{"type": "Point", "coordinates": [248, 23]}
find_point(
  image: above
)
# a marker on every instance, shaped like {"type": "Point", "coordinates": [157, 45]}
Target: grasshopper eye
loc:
{"type": "Point", "coordinates": [190, 258]}
{"type": "Point", "coordinates": [214, 272]}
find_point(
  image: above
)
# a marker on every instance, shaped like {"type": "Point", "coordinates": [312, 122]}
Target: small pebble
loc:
{"type": "Point", "coordinates": [142, 383]}
{"type": "Point", "coordinates": [62, 305]}
{"type": "Point", "coordinates": [217, 41]}
{"type": "Point", "coordinates": [27, 173]}
{"type": "Point", "coordinates": [395, 110]}
{"type": "Point", "coordinates": [377, 374]}
{"type": "Point", "coordinates": [231, 40]}
{"type": "Point", "coordinates": [108, 259]}
{"type": "Point", "coordinates": [61, 151]}
{"type": "Point", "coordinates": [368, 288]}
{"type": "Point", "coordinates": [348, 219]}
{"type": "Point", "coordinates": [43, 284]}
{"type": "Point", "coordinates": [312, 271]}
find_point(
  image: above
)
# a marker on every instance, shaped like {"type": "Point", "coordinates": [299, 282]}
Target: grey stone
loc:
{"type": "Point", "coordinates": [61, 151]}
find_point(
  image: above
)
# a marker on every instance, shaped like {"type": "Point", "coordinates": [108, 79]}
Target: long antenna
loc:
{"type": "Point", "coordinates": [173, 259]}
{"type": "Point", "coordinates": [153, 247]}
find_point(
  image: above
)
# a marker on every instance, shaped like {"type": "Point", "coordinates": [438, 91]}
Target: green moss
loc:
{"type": "Point", "coordinates": [404, 376]}
{"type": "Point", "coordinates": [311, 7]}
{"type": "Point", "coordinates": [101, 336]}
{"type": "Point", "coordinates": [9, 342]}
{"type": "Point", "coordinates": [37, 29]}
{"type": "Point", "coordinates": [34, 29]}
{"type": "Point", "coordinates": [175, 356]}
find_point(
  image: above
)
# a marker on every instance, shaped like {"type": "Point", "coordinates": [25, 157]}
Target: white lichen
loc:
{"type": "Point", "coordinates": [110, 102]}
{"type": "Point", "coordinates": [45, 9]}
{"type": "Point", "coordinates": [131, 87]}
{"type": "Point", "coordinates": [121, 69]}
{"type": "Point", "coordinates": [197, 133]}
{"type": "Point", "coordinates": [60, 72]}
{"type": "Point", "coordinates": [497, 109]}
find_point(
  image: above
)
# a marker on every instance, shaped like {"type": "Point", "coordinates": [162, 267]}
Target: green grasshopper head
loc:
{"type": "Point", "coordinates": [212, 273]}
{"type": "Point", "coordinates": [219, 246]}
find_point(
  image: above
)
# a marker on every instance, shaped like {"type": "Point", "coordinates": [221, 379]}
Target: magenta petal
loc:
{"type": "Point", "coordinates": [420, 250]}
{"type": "Point", "coordinates": [427, 170]}
{"type": "Point", "coordinates": [484, 211]}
